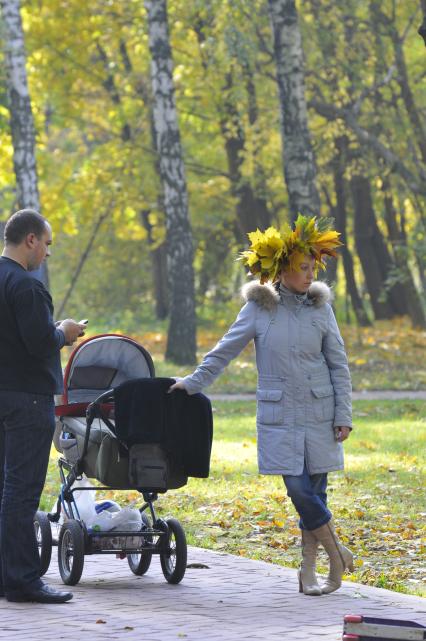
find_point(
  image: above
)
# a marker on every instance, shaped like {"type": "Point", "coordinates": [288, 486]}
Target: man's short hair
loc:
{"type": "Point", "coordinates": [22, 223]}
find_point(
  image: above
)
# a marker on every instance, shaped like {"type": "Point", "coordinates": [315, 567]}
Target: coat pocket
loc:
{"type": "Point", "coordinates": [323, 402]}
{"type": "Point", "coordinates": [269, 407]}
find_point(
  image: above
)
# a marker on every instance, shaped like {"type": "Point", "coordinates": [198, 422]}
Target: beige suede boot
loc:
{"type": "Point", "coordinates": [307, 578]}
{"type": "Point", "coordinates": [339, 556]}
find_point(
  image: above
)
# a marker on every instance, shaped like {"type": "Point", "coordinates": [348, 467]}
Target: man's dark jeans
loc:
{"type": "Point", "coordinates": [27, 423]}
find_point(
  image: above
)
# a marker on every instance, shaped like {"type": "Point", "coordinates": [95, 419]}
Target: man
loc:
{"type": "Point", "coordinates": [30, 374]}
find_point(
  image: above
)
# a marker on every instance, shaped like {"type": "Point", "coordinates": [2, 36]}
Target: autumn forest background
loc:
{"type": "Point", "coordinates": [333, 92]}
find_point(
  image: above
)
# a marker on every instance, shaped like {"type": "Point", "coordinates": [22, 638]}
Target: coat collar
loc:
{"type": "Point", "coordinates": [266, 296]}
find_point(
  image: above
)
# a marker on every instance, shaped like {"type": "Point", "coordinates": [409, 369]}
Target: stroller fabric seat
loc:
{"type": "Point", "coordinates": [69, 440]}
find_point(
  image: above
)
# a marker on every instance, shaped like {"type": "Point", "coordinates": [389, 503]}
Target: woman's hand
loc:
{"type": "Point", "coordinates": [177, 385]}
{"type": "Point", "coordinates": [341, 433]}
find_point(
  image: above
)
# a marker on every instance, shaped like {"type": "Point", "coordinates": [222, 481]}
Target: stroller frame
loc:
{"type": "Point", "coordinates": [163, 537]}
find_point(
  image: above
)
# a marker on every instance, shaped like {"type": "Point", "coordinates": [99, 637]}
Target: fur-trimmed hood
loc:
{"type": "Point", "coordinates": [268, 297]}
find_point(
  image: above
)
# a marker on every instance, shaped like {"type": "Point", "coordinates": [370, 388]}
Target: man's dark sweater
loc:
{"type": "Point", "coordinates": [29, 341]}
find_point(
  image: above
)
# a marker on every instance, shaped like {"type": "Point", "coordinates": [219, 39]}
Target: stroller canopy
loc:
{"type": "Point", "coordinates": [101, 363]}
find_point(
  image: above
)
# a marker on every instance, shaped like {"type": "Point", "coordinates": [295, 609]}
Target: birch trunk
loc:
{"type": "Point", "coordinates": [298, 155]}
{"type": "Point", "coordinates": [21, 116]}
{"type": "Point", "coordinates": [181, 339]}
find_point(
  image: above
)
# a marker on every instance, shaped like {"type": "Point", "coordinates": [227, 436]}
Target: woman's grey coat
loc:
{"type": "Point", "coordinates": [304, 385]}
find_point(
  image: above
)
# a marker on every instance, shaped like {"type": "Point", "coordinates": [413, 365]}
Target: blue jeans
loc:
{"type": "Point", "coordinates": [27, 423]}
{"type": "Point", "coordinates": [309, 497]}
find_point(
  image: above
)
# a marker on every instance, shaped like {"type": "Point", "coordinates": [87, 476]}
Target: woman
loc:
{"type": "Point", "coordinates": [304, 388]}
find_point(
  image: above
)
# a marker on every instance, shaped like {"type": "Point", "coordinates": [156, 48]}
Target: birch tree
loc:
{"type": "Point", "coordinates": [21, 116]}
{"type": "Point", "coordinates": [181, 339]}
{"type": "Point", "coordinates": [298, 155]}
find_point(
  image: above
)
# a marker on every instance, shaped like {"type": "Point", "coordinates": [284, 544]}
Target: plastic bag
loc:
{"type": "Point", "coordinates": [105, 515]}
{"type": "Point", "coordinates": [85, 500]}
{"type": "Point", "coordinates": [126, 519]}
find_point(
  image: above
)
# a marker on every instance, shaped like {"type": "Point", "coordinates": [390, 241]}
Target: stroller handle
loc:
{"type": "Point", "coordinates": [103, 398]}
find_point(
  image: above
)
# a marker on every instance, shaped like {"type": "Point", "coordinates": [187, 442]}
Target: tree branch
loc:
{"type": "Point", "coordinates": [369, 90]}
{"type": "Point", "coordinates": [83, 259]}
{"type": "Point", "coordinates": [416, 183]}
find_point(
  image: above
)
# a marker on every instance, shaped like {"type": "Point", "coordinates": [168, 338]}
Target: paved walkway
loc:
{"type": "Point", "coordinates": [231, 599]}
{"type": "Point", "coordinates": [366, 395]}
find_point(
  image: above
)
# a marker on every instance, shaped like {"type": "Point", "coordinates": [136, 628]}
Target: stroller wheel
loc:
{"type": "Point", "coordinates": [173, 553]}
{"type": "Point", "coordinates": [43, 535]}
{"type": "Point", "coordinates": [139, 563]}
{"type": "Point", "coordinates": [71, 552]}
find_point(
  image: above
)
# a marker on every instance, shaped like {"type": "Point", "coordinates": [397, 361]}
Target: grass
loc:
{"type": "Point", "coordinates": [378, 502]}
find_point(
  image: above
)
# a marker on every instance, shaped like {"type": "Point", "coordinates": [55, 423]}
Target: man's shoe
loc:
{"type": "Point", "coordinates": [43, 594]}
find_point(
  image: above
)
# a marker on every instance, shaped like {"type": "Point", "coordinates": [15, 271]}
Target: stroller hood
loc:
{"type": "Point", "coordinates": [97, 365]}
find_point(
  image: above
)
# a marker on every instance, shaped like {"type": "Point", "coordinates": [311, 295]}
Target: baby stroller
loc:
{"type": "Point", "coordinates": [87, 440]}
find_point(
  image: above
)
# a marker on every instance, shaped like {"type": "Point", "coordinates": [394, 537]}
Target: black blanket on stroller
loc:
{"type": "Point", "coordinates": [146, 413]}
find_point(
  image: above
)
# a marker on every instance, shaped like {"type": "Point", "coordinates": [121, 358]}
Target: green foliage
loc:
{"type": "Point", "coordinates": [88, 68]}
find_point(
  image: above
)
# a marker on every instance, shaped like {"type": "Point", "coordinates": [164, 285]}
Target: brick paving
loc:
{"type": "Point", "coordinates": [231, 599]}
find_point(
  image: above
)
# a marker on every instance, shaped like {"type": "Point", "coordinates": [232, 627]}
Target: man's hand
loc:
{"type": "Point", "coordinates": [72, 330]}
{"type": "Point", "coordinates": [341, 433]}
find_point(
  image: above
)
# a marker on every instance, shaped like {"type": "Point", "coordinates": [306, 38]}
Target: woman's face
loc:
{"type": "Point", "coordinates": [300, 281]}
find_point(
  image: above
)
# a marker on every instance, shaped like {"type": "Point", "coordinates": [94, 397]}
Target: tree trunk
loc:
{"type": "Point", "coordinates": [415, 117]}
{"type": "Point", "coordinates": [382, 23]}
{"type": "Point", "coordinates": [259, 178]}
{"type": "Point", "coordinates": [400, 250]}
{"type": "Point", "coordinates": [251, 208]}
{"type": "Point", "coordinates": [403, 294]}
{"type": "Point", "coordinates": [329, 274]}
{"type": "Point", "coordinates": [341, 223]}
{"type": "Point", "coordinates": [251, 211]}
{"type": "Point", "coordinates": [159, 269]}
{"type": "Point", "coordinates": [21, 116]}
{"type": "Point", "coordinates": [372, 252]}
{"type": "Point", "coordinates": [159, 253]}
{"type": "Point", "coordinates": [422, 27]}
{"type": "Point", "coordinates": [298, 155]}
{"type": "Point", "coordinates": [181, 340]}
{"type": "Point", "coordinates": [110, 87]}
